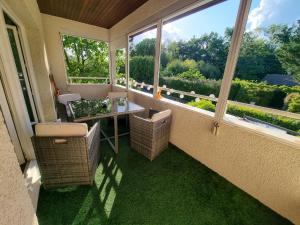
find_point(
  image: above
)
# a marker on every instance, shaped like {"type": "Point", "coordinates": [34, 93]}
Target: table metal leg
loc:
{"type": "Point", "coordinates": [106, 138]}
{"type": "Point", "coordinates": [116, 134]}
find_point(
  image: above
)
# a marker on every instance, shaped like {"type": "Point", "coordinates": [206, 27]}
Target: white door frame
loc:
{"type": "Point", "coordinates": [14, 91]}
{"type": "Point", "coordinates": [24, 70]}
{"type": "Point", "coordinates": [9, 121]}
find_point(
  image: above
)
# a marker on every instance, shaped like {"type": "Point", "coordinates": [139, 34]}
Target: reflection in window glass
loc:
{"type": "Point", "coordinates": [120, 66]}
{"type": "Point", "coordinates": [87, 60]}
{"type": "Point", "coordinates": [268, 70]}
{"type": "Point", "coordinates": [194, 53]}
{"type": "Point", "coordinates": [141, 60]}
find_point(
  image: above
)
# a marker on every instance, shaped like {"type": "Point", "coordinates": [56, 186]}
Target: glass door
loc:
{"type": "Point", "coordinates": [6, 111]}
{"type": "Point", "coordinates": [22, 71]}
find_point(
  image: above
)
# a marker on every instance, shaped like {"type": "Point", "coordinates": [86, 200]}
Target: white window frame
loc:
{"type": "Point", "coordinates": [157, 54]}
{"type": "Point", "coordinates": [222, 101]}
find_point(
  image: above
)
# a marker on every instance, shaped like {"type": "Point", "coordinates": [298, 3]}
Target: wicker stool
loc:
{"type": "Point", "coordinates": [150, 136]}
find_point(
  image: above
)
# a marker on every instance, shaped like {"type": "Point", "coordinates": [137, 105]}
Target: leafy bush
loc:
{"type": "Point", "coordinates": [190, 64]}
{"type": "Point", "coordinates": [209, 71]}
{"type": "Point", "coordinates": [262, 94]}
{"type": "Point", "coordinates": [204, 87]}
{"type": "Point", "coordinates": [191, 75]}
{"type": "Point", "coordinates": [176, 66]}
{"type": "Point", "coordinates": [203, 104]}
{"type": "Point", "coordinates": [292, 102]}
{"type": "Point", "coordinates": [142, 68]}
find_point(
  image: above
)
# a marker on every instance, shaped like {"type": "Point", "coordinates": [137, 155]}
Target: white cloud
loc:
{"type": "Point", "coordinates": [273, 12]}
{"type": "Point", "coordinates": [171, 32]}
{"type": "Point", "coordinates": [264, 12]}
{"type": "Point", "coordinates": [149, 34]}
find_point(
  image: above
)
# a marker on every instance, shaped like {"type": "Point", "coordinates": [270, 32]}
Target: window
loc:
{"type": "Point", "coordinates": [194, 51]}
{"type": "Point", "coordinates": [120, 66]}
{"type": "Point", "coordinates": [141, 60]}
{"type": "Point", "coordinates": [265, 90]}
{"type": "Point", "coordinates": [87, 60]}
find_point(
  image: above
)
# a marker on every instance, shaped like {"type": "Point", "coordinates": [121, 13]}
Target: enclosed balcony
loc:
{"type": "Point", "coordinates": [150, 112]}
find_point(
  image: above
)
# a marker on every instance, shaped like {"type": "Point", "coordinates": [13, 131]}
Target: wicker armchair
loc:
{"type": "Point", "coordinates": [150, 136]}
{"type": "Point", "coordinates": [67, 153]}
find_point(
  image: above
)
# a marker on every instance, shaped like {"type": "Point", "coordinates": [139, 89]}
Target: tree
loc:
{"type": "Point", "coordinates": [85, 57]}
{"type": "Point", "coordinates": [120, 60]}
{"type": "Point", "coordinates": [257, 58]}
{"type": "Point", "coordinates": [144, 48]}
{"type": "Point", "coordinates": [142, 68]}
{"type": "Point", "coordinates": [289, 52]}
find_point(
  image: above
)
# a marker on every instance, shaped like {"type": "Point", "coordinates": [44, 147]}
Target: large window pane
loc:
{"type": "Point", "coordinates": [86, 60]}
{"type": "Point", "coordinates": [268, 69]}
{"type": "Point", "coordinates": [194, 52]}
{"type": "Point", "coordinates": [120, 67]}
{"type": "Point", "coordinates": [141, 60]}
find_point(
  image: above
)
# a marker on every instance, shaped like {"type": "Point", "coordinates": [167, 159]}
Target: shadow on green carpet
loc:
{"type": "Point", "coordinates": [173, 189]}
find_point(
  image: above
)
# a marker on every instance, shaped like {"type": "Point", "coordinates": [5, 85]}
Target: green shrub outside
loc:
{"type": "Point", "coordinates": [240, 111]}
{"type": "Point", "coordinates": [292, 102]}
{"type": "Point", "coordinates": [203, 104]}
{"type": "Point", "coordinates": [262, 94]}
{"type": "Point", "coordinates": [142, 68]}
{"type": "Point", "coordinates": [203, 86]}
{"type": "Point", "coordinates": [191, 75]}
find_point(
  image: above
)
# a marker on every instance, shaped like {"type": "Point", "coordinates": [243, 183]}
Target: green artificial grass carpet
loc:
{"type": "Point", "coordinates": [173, 189]}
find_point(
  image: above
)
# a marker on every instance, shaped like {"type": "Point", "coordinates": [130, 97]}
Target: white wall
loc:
{"type": "Point", "coordinates": [53, 26]}
{"type": "Point", "coordinates": [16, 207]}
{"type": "Point", "coordinates": [263, 166]}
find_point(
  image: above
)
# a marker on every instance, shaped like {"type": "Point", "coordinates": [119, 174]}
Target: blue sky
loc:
{"type": "Point", "coordinates": [262, 13]}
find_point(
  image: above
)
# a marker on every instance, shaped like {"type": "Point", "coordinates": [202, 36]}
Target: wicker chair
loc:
{"type": "Point", "coordinates": [67, 153]}
{"type": "Point", "coordinates": [150, 136]}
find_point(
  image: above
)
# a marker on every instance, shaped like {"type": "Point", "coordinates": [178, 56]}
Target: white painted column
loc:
{"type": "Point", "coordinates": [112, 65]}
{"type": "Point", "coordinates": [157, 58]}
{"type": "Point", "coordinates": [127, 63]}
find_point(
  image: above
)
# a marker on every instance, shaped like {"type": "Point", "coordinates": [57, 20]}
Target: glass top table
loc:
{"type": "Point", "coordinates": [85, 110]}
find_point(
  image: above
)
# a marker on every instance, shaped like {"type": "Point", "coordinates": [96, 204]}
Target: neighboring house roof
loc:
{"type": "Point", "coordinates": [281, 79]}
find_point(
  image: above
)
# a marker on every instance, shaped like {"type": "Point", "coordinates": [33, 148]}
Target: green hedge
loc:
{"type": "Point", "coordinates": [240, 111]}
{"type": "Point", "coordinates": [142, 68]}
{"type": "Point", "coordinates": [262, 94]}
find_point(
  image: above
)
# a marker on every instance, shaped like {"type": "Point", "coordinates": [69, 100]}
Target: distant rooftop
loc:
{"type": "Point", "coordinates": [281, 79]}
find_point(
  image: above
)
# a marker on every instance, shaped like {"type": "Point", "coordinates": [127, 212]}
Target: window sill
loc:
{"type": "Point", "coordinates": [140, 92]}
{"type": "Point", "coordinates": [273, 134]}
{"type": "Point", "coordinates": [233, 121]}
{"type": "Point", "coordinates": [84, 84]}
{"type": "Point", "coordinates": [201, 112]}
{"type": "Point", "coordinates": [119, 86]}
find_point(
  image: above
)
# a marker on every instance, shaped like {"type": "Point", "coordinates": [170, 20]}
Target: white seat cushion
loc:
{"type": "Point", "coordinates": [61, 129]}
{"type": "Point", "coordinates": [161, 115]}
{"type": "Point", "coordinates": [65, 98]}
